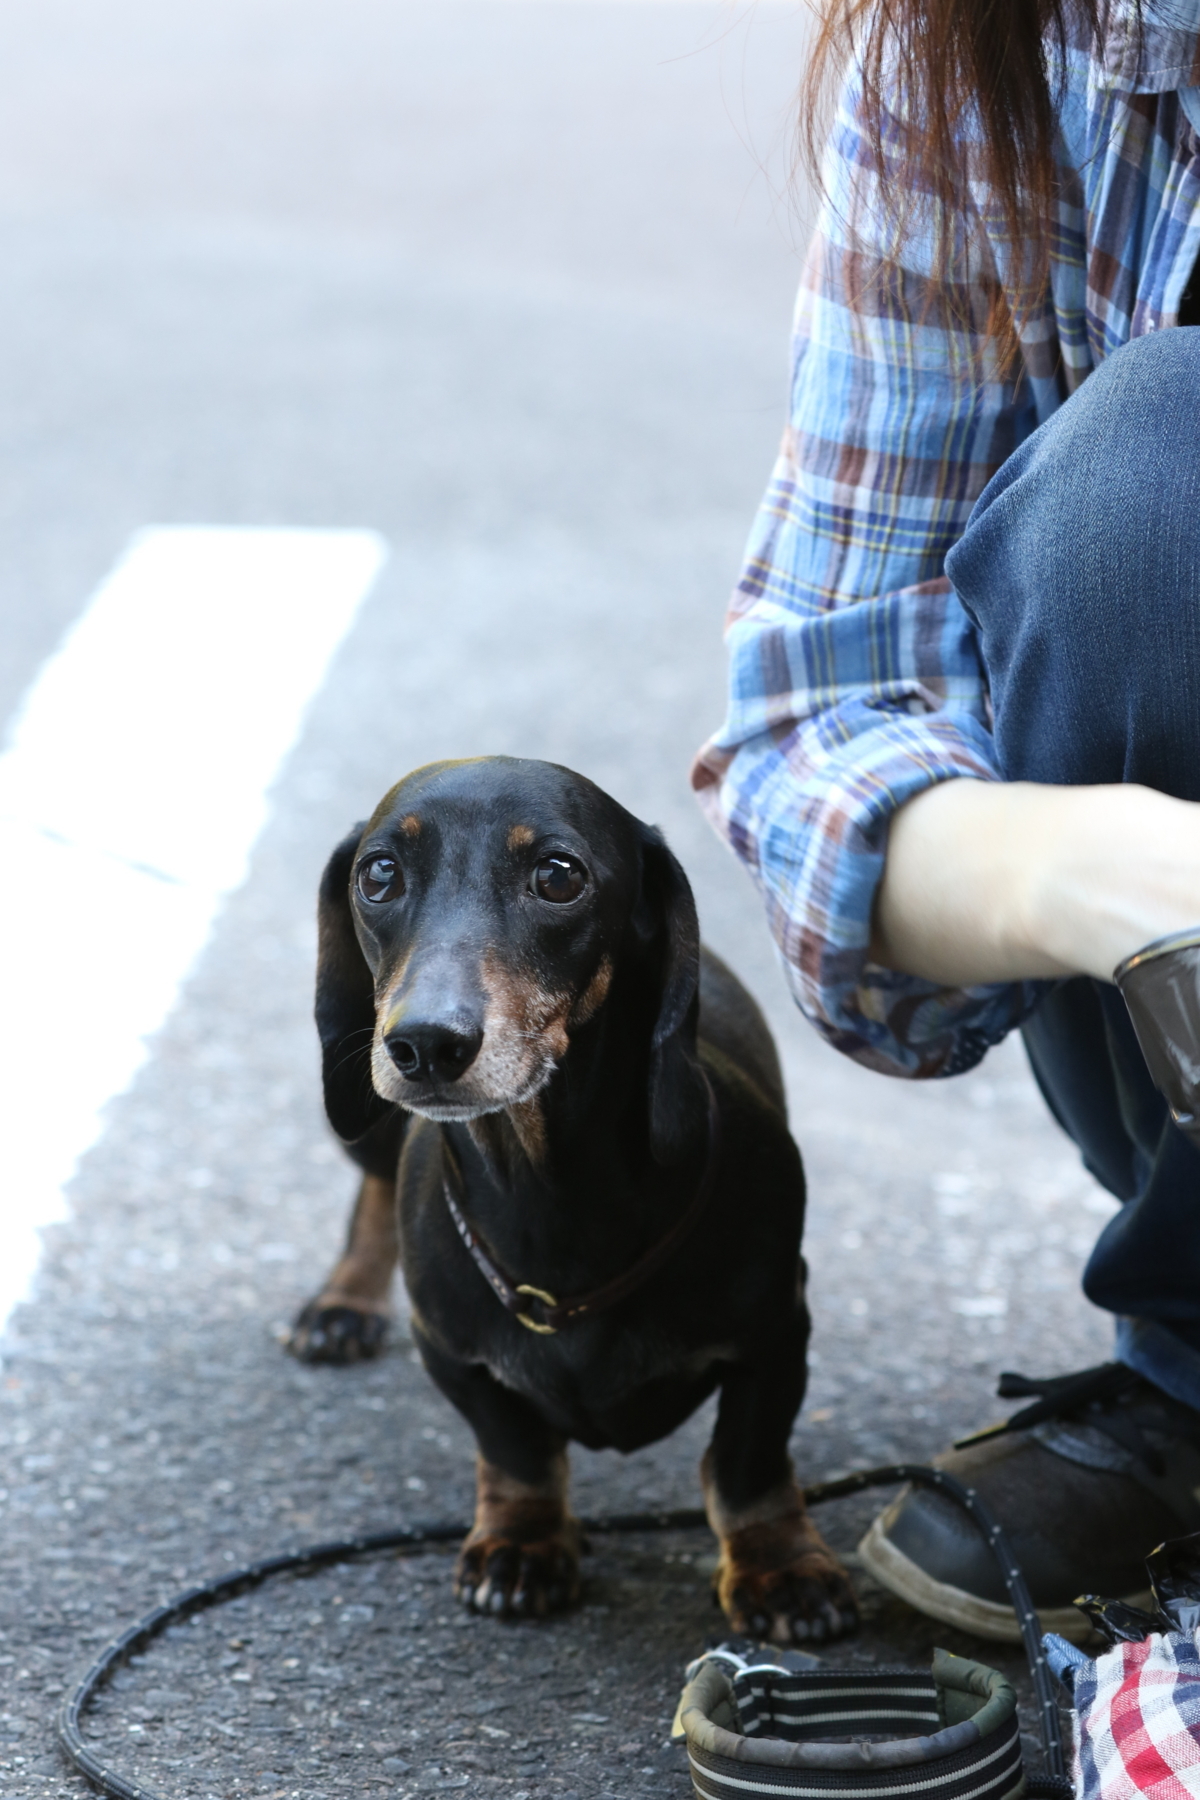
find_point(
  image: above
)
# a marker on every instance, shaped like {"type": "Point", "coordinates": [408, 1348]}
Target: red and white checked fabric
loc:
{"type": "Point", "coordinates": [1138, 1721]}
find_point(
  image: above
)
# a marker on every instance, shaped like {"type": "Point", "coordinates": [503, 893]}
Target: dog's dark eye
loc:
{"type": "Point", "coordinates": [559, 878]}
{"type": "Point", "coordinates": [380, 879]}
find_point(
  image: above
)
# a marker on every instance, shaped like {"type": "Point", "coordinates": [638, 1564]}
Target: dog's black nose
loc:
{"type": "Point", "coordinates": [432, 1052]}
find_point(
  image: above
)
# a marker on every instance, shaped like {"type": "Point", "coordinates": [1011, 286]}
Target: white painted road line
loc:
{"type": "Point", "coordinates": [134, 787]}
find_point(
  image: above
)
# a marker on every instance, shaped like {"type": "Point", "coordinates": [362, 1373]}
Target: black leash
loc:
{"type": "Point", "coordinates": [1051, 1785]}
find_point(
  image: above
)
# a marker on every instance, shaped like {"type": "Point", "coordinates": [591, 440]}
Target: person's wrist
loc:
{"type": "Point", "coordinates": [1156, 877]}
{"type": "Point", "coordinates": [1111, 869]}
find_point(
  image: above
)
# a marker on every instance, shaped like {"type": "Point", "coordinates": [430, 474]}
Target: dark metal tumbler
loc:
{"type": "Point", "coordinates": [1161, 988]}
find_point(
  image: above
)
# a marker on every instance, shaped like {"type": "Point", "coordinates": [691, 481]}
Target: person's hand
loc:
{"type": "Point", "coordinates": [1006, 881]}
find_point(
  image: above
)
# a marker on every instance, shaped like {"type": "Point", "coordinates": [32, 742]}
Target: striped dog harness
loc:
{"type": "Point", "coordinates": [950, 1733]}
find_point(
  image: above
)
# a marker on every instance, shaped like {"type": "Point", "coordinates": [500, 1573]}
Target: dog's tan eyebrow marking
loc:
{"type": "Point", "coordinates": [410, 825]}
{"type": "Point", "coordinates": [520, 837]}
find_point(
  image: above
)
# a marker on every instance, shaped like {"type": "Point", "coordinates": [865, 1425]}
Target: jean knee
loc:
{"type": "Point", "coordinates": [1148, 371]}
{"type": "Point", "coordinates": [1111, 479]}
{"type": "Point", "coordinates": [1081, 568]}
{"type": "Point", "coordinates": [1132, 426]}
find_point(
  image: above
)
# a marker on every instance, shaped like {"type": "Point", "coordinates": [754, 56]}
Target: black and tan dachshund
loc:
{"type": "Point", "coordinates": [572, 1127]}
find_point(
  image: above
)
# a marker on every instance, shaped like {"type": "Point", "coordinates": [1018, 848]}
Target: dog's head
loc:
{"type": "Point", "coordinates": [476, 924]}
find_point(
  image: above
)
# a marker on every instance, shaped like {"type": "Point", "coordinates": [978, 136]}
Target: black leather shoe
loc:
{"type": "Point", "coordinates": [1087, 1481]}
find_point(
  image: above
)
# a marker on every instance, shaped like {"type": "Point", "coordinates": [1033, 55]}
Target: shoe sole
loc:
{"type": "Point", "coordinates": [954, 1606]}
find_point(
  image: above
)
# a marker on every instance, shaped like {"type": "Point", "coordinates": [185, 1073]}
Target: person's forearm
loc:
{"type": "Point", "coordinates": [1004, 881]}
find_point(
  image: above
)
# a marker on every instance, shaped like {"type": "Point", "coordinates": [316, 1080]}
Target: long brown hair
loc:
{"type": "Point", "coordinates": [925, 65]}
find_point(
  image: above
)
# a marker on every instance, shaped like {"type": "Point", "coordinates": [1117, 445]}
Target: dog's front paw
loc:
{"type": "Point", "coordinates": [777, 1578]}
{"type": "Point", "coordinates": [514, 1579]}
{"type": "Point", "coordinates": [335, 1328]}
{"type": "Point", "coordinates": [808, 1600]}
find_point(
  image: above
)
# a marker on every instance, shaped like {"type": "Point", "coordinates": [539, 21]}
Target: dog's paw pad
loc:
{"type": "Point", "coordinates": [336, 1333]}
{"type": "Point", "coordinates": [512, 1580]}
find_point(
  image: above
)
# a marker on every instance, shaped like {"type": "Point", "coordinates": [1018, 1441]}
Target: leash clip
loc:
{"type": "Point", "coordinates": [532, 1324]}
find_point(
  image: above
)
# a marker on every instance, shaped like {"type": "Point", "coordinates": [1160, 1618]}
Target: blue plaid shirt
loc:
{"type": "Point", "coordinates": [855, 677]}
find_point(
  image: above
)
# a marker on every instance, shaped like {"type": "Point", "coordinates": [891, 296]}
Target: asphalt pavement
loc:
{"type": "Point", "coordinates": [510, 285]}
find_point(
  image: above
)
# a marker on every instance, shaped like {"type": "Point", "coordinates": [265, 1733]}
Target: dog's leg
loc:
{"type": "Point", "coordinates": [776, 1579]}
{"type": "Point", "coordinates": [347, 1320]}
{"type": "Point", "coordinates": [522, 1554]}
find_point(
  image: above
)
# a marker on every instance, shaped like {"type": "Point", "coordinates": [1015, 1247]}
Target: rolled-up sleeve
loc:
{"type": "Point", "coordinates": [855, 679]}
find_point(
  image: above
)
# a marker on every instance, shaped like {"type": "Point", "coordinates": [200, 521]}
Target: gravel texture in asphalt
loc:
{"type": "Point", "coordinates": [153, 1431]}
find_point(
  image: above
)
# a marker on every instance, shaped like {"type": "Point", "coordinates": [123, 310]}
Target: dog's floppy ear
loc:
{"type": "Point", "coordinates": [345, 1007]}
{"type": "Point", "coordinates": [666, 914]}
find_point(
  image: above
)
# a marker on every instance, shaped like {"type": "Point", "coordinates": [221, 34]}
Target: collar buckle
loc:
{"type": "Point", "coordinates": [525, 1317]}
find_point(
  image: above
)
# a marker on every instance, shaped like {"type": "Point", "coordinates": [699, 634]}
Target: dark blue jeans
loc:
{"type": "Point", "coordinates": [1081, 569]}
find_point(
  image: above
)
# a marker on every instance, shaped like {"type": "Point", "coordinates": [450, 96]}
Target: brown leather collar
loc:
{"type": "Point", "coordinates": [540, 1311]}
